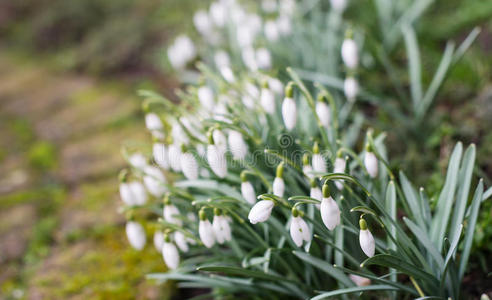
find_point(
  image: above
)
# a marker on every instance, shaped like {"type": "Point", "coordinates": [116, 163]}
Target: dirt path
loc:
{"type": "Point", "coordinates": [60, 234]}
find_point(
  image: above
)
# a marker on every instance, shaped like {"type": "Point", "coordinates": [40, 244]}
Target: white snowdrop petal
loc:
{"type": "Point", "coordinates": [174, 157]}
{"type": "Point", "coordinates": [263, 58]}
{"type": "Point", "coordinates": [289, 113]}
{"type": "Point", "coordinates": [171, 214]}
{"type": "Point", "coordinates": [181, 242]}
{"type": "Point", "coordinates": [308, 171]}
{"type": "Point", "coordinates": [338, 5]}
{"type": "Point", "coordinates": [171, 255]}
{"type": "Point", "coordinates": [161, 155]}
{"type": "Point", "coordinates": [154, 181]}
{"type": "Point", "coordinates": [278, 187]}
{"type": "Point", "coordinates": [319, 164]}
{"type": "Point", "coordinates": [349, 53]}
{"type": "Point", "coordinates": [359, 280]}
{"type": "Point", "coordinates": [189, 166]}
{"type": "Point", "coordinates": [267, 100]}
{"type": "Point", "coordinates": [222, 229]}
{"type": "Point", "coordinates": [153, 122]}
{"type": "Point", "coordinates": [202, 22]}
{"type": "Point", "coordinates": [305, 232]}
{"type": "Point", "coordinates": [248, 192]}
{"type": "Point", "coordinates": [330, 213]}
{"type": "Point", "coordinates": [137, 160]}
{"type": "Point", "coordinates": [136, 235]}
{"type": "Point", "coordinates": [271, 31]}
{"type": "Point", "coordinates": [158, 240]}
{"type": "Point", "coordinates": [316, 193]}
{"type": "Point", "coordinates": [261, 211]}
{"type": "Point", "coordinates": [220, 140]}
{"type": "Point", "coordinates": [237, 145]}
{"type": "Point", "coordinates": [367, 243]}
{"type": "Point", "coordinates": [350, 88]}
{"type": "Point", "coordinates": [295, 231]}
{"type": "Point", "coordinates": [138, 193]}
{"type": "Point", "coordinates": [206, 97]}
{"type": "Point", "coordinates": [217, 161]}
{"type": "Point", "coordinates": [206, 233]}
{"type": "Point", "coordinates": [371, 164]}
{"type": "Point", "coordinates": [324, 114]}
{"type": "Point", "coordinates": [339, 167]}
{"type": "Point", "coordinates": [218, 13]}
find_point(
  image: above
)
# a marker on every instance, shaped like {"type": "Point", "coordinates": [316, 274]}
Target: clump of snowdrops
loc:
{"type": "Point", "coordinates": [264, 187]}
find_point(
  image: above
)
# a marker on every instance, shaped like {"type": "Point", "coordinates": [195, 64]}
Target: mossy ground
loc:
{"type": "Point", "coordinates": [62, 236]}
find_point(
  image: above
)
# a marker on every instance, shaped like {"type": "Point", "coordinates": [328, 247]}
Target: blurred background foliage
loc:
{"type": "Point", "coordinates": [82, 58]}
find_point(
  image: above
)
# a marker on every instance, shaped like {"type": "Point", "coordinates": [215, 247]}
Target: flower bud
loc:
{"type": "Point", "coordinates": [133, 193]}
{"type": "Point", "coordinates": [350, 88]}
{"type": "Point", "coordinates": [174, 153]}
{"type": "Point", "coordinates": [136, 235]}
{"type": "Point", "coordinates": [161, 155]}
{"type": "Point", "coordinates": [181, 241]}
{"type": "Point", "coordinates": [137, 160]}
{"type": "Point", "coordinates": [323, 112]}
{"type": "Point", "coordinates": [218, 13]}
{"type": "Point", "coordinates": [171, 255]}
{"type": "Point", "coordinates": [153, 122]}
{"type": "Point", "coordinates": [289, 109]}
{"type": "Point", "coordinates": [339, 167]}
{"type": "Point", "coordinates": [154, 181]}
{"type": "Point", "coordinates": [206, 98]}
{"type": "Point", "coordinates": [318, 161]}
{"type": "Point", "coordinates": [202, 22]}
{"type": "Point", "coordinates": [221, 227]}
{"type": "Point", "coordinates": [263, 58]}
{"type": "Point", "coordinates": [366, 239]}
{"type": "Point", "coordinates": [189, 166]}
{"type": "Point", "coordinates": [330, 213]}
{"type": "Point", "coordinates": [238, 146]}
{"type": "Point", "coordinates": [171, 214]}
{"type": "Point", "coordinates": [248, 192]}
{"type": "Point", "coordinates": [206, 232]}
{"type": "Point", "coordinates": [267, 100]}
{"type": "Point", "coordinates": [349, 53]}
{"type": "Point", "coordinates": [271, 31]}
{"type": "Point", "coordinates": [158, 240]}
{"type": "Point", "coordinates": [359, 280]}
{"type": "Point", "coordinates": [299, 231]}
{"type": "Point", "coordinates": [217, 161]}
{"type": "Point", "coordinates": [371, 163]}
{"type": "Point", "coordinates": [261, 211]}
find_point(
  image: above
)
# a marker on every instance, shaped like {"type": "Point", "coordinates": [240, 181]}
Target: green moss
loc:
{"type": "Point", "coordinates": [42, 156]}
{"type": "Point", "coordinates": [41, 240]}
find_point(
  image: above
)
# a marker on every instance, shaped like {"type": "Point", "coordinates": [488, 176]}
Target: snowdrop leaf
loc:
{"type": "Point", "coordinates": [358, 289]}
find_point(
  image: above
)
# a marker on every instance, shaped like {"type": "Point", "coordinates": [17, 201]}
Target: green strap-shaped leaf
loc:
{"type": "Point", "coordinates": [412, 200]}
{"type": "Point", "coordinates": [376, 287]}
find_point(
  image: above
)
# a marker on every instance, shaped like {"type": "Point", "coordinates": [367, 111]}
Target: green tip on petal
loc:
{"type": "Point", "coordinates": [339, 153]}
{"type": "Point", "coordinates": [280, 170]}
{"type": "Point", "coordinates": [244, 176]}
{"type": "Point", "coordinates": [217, 211]}
{"type": "Point", "coordinates": [295, 212]}
{"type": "Point", "coordinates": [210, 136]}
{"type": "Point", "coordinates": [315, 148]}
{"type": "Point", "coordinates": [326, 190]}
{"type": "Point", "coordinates": [123, 176]}
{"type": "Point", "coordinates": [167, 238]}
{"type": "Point", "coordinates": [368, 147]}
{"type": "Point", "coordinates": [313, 183]}
{"type": "Point", "coordinates": [289, 89]}
{"type": "Point", "coordinates": [264, 84]}
{"type": "Point", "coordinates": [362, 224]}
{"type": "Point", "coordinates": [305, 159]}
{"type": "Point", "coordinates": [166, 200]}
{"type": "Point", "coordinates": [202, 215]}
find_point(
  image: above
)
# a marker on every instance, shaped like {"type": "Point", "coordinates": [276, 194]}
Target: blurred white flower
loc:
{"type": "Point", "coordinates": [318, 162]}
{"type": "Point", "coordinates": [222, 229]}
{"type": "Point", "coordinates": [284, 25]}
{"type": "Point", "coordinates": [179, 135]}
{"type": "Point", "coordinates": [275, 85]}
{"type": "Point", "coordinates": [287, 7]}
{"type": "Point", "coordinates": [160, 154]}
{"type": "Point", "coordinates": [237, 145]}
{"type": "Point", "coordinates": [137, 160]}
{"type": "Point", "coordinates": [338, 5]}
{"type": "Point", "coordinates": [359, 280]}
{"type": "Point", "coordinates": [189, 166]}
{"type": "Point", "coordinates": [339, 167]}
{"type": "Point", "coordinates": [227, 73]}
{"type": "Point", "coordinates": [269, 6]}
{"type": "Point", "coordinates": [350, 88]}
{"type": "Point", "coordinates": [367, 243]}
{"type": "Point", "coordinates": [289, 113]}
{"type": "Point", "coordinates": [218, 13]}
{"type": "Point", "coordinates": [154, 181]}
{"type": "Point", "coordinates": [249, 58]}
{"type": "Point", "coordinates": [172, 215]}
{"type": "Point", "coordinates": [350, 55]}
{"type": "Point", "coordinates": [175, 157]}
{"type": "Point", "coordinates": [220, 140]}
{"type": "Point", "coordinates": [133, 193]}
{"type": "Point", "coordinates": [171, 255]}
{"type": "Point", "coordinates": [221, 59]}
{"type": "Point", "coordinates": [299, 231]}
{"type": "Point", "coordinates": [153, 122]}
{"type": "Point", "coordinates": [267, 100]}
{"type": "Point", "coordinates": [158, 240]}
{"type": "Point", "coordinates": [371, 163]}
{"type": "Point", "coordinates": [248, 192]}
{"type": "Point", "coordinates": [263, 58]}
{"type": "Point", "coordinates": [316, 193]}
{"type": "Point", "coordinates": [252, 90]}
{"type": "Point", "coordinates": [181, 52]}
{"type": "Point", "coordinates": [206, 97]}
{"type": "Point", "coordinates": [217, 161]}
{"type": "Point", "coordinates": [181, 241]}
{"type": "Point", "coordinates": [271, 31]}
{"type": "Point", "coordinates": [261, 211]}
{"type": "Point", "coordinates": [136, 235]}
{"type": "Point", "coordinates": [206, 233]}
{"type": "Point", "coordinates": [324, 113]}
{"type": "Point", "coordinates": [278, 186]}
{"type": "Point", "coordinates": [202, 22]}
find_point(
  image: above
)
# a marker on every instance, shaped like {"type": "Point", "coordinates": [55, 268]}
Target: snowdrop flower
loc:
{"type": "Point", "coordinates": [299, 230]}
{"type": "Point", "coordinates": [339, 167]}
{"type": "Point", "coordinates": [202, 22]}
{"type": "Point", "coordinates": [359, 280]}
{"type": "Point", "coordinates": [261, 211]}
{"type": "Point", "coordinates": [181, 52]}
{"type": "Point", "coordinates": [323, 111]}
{"type": "Point", "coordinates": [136, 235]}
{"type": "Point", "coordinates": [238, 146]}
{"type": "Point", "coordinates": [220, 224]}
{"type": "Point", "coordinates": [221, 59]}
{"type": "Point", "coordinates": [160, 154]}
{"type": "Point", "coordinates": [269, 6]}
{"type": "Point", "coordinates": [178, 134]}
{"type": "Point", "coordinates": [158, 240]}
{"type": "Point", "coordinates": [350, 88]}
{"type": "Point", "coordinates": [315, 192]}
{"type": "Point", "coordinates": [252, 90]}
{"type": "Point", "coordinates": [263, 58]}
{"type": "Point", "coordinates": [154, 181]}
{"type": "Point", "coordinates": [338, 5]}
{"type": "Point", "coordinates": [287, 7]}
{"type": "Point", "coordinates": [133, 193]}
{"type": "Point", "coordinates": [170, 254]}
{"type": "Point", "coordinates": [371, 162]}
{"type": "Point", "coordinates": [218, 13]}
{"type": "Point", "coordinates": [227, 73]}
{"type": "Point", "coordinates": [216, 158]}
{"type": "Point", "coordinates": [275, 85]}
{"type": "Point", "coordinates": [267, 99]}
{"type": "Point", "coordinates": [247, 189]}
{"type": "Point", "coordinates": [171, 213]}
{"type": "Point", "coordinates": [318, 161]}
{"type": "Point", "coordinates": [248, 101]}
{"type": "Point", "coordinates": [249, 58]}
{"type": "Point", "coordinates": [289, 110]}
{"type": "Point", "coordinates": [174, 153]}
{"type": "Point", "coordinates": [284, 25]}
{"type": "Point", "coordinates": [206, 97]}
{"type": "Point", "coordinates": [189, 165]}
{"type": "Point", "coordinates": [350, 56]}
{"type": "Point", "coordinates": [137, 160]}
{"type": "Point", "coordinates": [330, 213]}
{"type": "Point", "coordinates": [153, 122]}
{"type": "Point", "coordinates": [245, 36]}
{"type": "Point", "coordinates": [366, 239]}
{"type": "Point", "coordinates": [220, 140]}
{"type": "Point", "coordinates": [278, 182]}
{"type": "Point", "coordinates": [181, 241]}
{"type": "Point", "coordinates": [271, 31]}
{"type": "Point", "coordinates": [205, 230]}
{"type": "Point", "coordinates": [306, 166]}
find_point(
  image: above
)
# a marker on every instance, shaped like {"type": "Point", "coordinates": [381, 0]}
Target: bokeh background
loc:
{"type": "Point", "coordinates": [68, 75]}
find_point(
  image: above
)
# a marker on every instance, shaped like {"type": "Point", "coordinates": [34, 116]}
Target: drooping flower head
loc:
{"type": "Point", "coordinates": [170, 253]}
{"type": "Point", "coordinates": [222, 229]}
{"type": "Point", "coordinates": [330, 213]}
{"type": "Point", "coordinates": [289, 109]}
{"type": "Point", "coordinates": [278, 182]}
{"type": "Point", "coordinates": [216, 157]}
{"type": "Point", "coordinates": [205, 230]}
{"type": "Point", "coordinates": [323, 111]}
{"type": "Point", "coordinates": [366, 240]}
{"type": "Point", "coordinates": [247, 189]}
{"type": "Point", "coordinates": [371, 162]}
{"type": "Point", "coordinates": [318, 161]}
{"type": "Point", "coordinates": [299, 230]}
